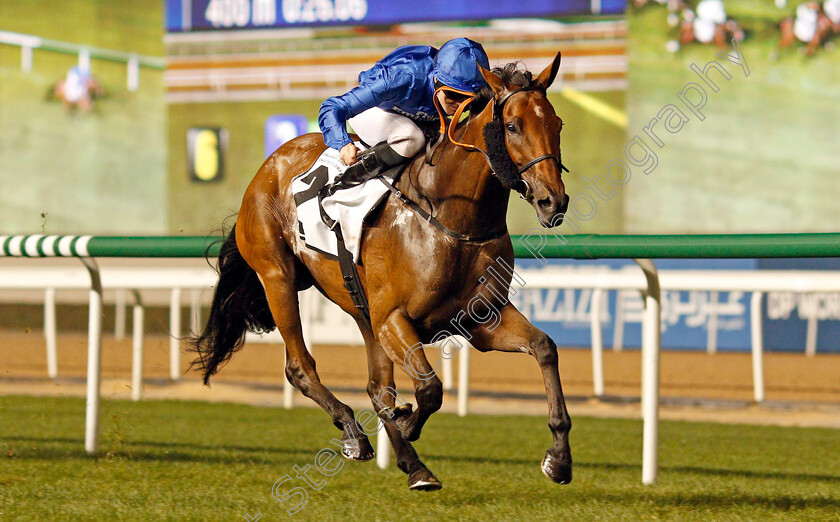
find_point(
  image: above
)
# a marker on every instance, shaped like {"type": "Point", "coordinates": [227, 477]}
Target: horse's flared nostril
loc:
{"type": "Point", "coordinates": [547, 205]}
{"type": "Point", "coordinates": [565, 205]}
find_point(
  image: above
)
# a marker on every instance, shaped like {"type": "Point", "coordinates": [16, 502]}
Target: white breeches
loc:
{"type": "Point", "coordinates": [74, 90]}
{"type": "Point", "coordinates": [376, 125]}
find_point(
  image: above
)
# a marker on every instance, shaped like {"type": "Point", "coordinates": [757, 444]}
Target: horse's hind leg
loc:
{"type": "Point", "coordinates": [277, 273]}
{"type": "Point", "coordinates": [384, 396]}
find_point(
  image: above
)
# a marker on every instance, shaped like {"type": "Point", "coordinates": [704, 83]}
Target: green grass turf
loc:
{"type": "Point", "coordinates": [100, 173]}
{"type": "Point", "coordinates": [168, 460]}
{"type": "Point", "coordinates": [763, 160]}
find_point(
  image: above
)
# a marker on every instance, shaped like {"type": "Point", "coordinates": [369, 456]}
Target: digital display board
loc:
{"type": "Point", "coordinates": [208, 15]}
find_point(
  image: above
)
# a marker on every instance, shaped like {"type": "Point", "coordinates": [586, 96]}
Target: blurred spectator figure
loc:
{"type": "Point", "coordinates": [708, 24]}
{"type": "Point", "coordinates": [78, 89]}
{"type": "Point", "coordinates": [812, 24]}
{"type": "Point", "coordinates": [674, 7]}
{"type": "Point", "coordinates": [831, 8]}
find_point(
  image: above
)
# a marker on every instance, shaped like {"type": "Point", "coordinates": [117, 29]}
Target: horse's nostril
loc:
{"type": "Point", "coordinates": [547, 204]}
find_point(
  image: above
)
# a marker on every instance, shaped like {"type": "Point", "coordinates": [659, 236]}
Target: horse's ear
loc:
{"type": "Point", "coordinates": [547, 76]}
{"type": "Point", "coordinates": [492, 80]}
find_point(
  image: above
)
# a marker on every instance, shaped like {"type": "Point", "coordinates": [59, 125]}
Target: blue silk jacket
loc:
{"type": "Point", "coordinates": [402, 82]}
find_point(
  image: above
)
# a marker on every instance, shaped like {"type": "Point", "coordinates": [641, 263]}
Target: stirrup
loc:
{"type": "Point", "coordinates": [369, 164]}
{"type": "Point", "coordinates": [350, 178]}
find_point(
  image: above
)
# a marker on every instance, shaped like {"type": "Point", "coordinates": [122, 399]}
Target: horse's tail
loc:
{"type": "Point", "coordinates": [239, 306]}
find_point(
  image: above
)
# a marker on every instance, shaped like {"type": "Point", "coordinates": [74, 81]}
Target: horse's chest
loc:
{"type": "Point", "coordinates": [451, 283]}
{"type": "Point", "coordinates": [447, 273]}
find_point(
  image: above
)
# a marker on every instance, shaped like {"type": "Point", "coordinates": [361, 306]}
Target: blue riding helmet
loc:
{"type": "Point", "coordinates": [456, 65]}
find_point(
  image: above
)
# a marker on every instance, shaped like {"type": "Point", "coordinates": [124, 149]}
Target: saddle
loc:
{"type": "Point", "coordinates": [346, 263]}
{"type": "Point", "coordinates": [332, 212]}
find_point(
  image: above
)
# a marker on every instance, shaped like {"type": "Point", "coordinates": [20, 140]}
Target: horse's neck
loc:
{"type": "Point", "coordinates": [459, 186]}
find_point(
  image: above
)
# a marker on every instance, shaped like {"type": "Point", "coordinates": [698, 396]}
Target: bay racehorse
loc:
{"type": "Point", "coordinates": [421, 274]}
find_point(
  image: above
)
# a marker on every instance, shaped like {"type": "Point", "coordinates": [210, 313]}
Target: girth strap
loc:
{"type": "Point", "coordinates": [350, 276]}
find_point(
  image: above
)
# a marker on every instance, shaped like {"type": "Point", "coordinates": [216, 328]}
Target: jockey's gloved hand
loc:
{"type": "Point", "coordinates": [348, 153]}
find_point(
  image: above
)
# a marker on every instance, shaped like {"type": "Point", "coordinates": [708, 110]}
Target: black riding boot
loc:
{"type": "Point", "coordinates": [369, 164]}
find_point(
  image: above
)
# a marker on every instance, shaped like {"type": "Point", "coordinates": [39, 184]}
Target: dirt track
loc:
{"type": "Point", "coordinates": [799, 390]}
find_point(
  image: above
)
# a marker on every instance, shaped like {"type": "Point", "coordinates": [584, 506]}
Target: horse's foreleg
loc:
{"type": "Point", "coordinates": [514, 333]}
{"type": "Point", "coordinates": [787, 35]}
{"type": "Point", "coordinates": [300, 366]}
{"type": "Point", "coordinates": [383, 395]}
{"type": "Point", "coordinates": [398, 337]}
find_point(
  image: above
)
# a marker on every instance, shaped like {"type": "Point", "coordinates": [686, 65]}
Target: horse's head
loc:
{"type": "Point", "coordinates": [523, 140]}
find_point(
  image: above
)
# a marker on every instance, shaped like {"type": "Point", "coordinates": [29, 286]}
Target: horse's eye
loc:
{"type": "Point", "coordinates": [511, 128]}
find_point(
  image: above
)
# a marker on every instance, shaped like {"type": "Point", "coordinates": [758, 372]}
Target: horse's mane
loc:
{"type": "Point", "coordinates": [513, 73]}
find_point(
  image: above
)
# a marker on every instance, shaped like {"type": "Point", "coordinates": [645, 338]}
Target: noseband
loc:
{"type": "Point", "coordinates": [498, 159]}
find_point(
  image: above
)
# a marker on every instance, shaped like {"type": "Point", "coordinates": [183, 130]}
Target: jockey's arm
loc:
{"type": "Point", "coordinates": [335, 111]}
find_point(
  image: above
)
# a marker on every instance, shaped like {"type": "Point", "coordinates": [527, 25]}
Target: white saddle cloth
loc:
{"type": "Point", "coordinates": [349, 207]}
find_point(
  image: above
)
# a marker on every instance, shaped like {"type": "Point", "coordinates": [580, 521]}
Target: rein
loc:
{"type": "Point", "coordinates": [519, 185]}
{"type": "Point", "coordinates": [435, 222]}
{"type": "Point", "coordinates": [467, 238]}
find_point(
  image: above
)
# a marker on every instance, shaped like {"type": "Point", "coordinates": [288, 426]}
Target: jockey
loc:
{"type": "Point", "coordinates": [805, 24]}
{"type": "Point", "coordinates": [393, 97]}
{"type": "Point", "coordinates": [832, 11]}
{"type": "Point", "coordinates": [76, 84]}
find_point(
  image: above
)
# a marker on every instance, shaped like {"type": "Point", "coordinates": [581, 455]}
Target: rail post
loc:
{"type": "Point", "coordinates": [757, 346]}
{"type": "Point", "coordinates": [50, 332]}
{"type": "Point", "coordinates": [383, 446]}
{"type": "Point", "coordinates": [650, 372]}
{"type": "Point", "coordinates": [597, 343]}
{"type": "Point", "coordinates": [94, 364]}
{"type": "Point", "coordinates": [463, 378]}
{"type": "Point", "coordinates": [137, 348]}
{"type": "Point", "coordinates": [174, 335]}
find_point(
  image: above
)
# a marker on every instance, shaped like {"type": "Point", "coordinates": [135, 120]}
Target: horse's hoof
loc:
{"type": "Point", "coordinates": [423, 480]}
{"type": "Point", "coordinates": [556, 469]}
{"type": "Point", "coordinates": [357, 449]}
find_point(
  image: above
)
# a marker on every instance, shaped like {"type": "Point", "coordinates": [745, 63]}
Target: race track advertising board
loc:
{"type": "Point", "coordinates": [688, 318]}
{"type": "Point", "coordinates": [208, 15]}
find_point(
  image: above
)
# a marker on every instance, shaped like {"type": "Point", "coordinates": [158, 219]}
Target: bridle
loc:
{"type": "Point", "coordinates": [521, 186]}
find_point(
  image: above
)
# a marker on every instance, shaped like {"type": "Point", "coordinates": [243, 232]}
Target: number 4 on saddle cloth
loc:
{"type": "Point", "coordinates": [346, 209]}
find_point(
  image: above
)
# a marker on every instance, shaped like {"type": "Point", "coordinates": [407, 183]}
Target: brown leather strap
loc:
{"type": "Point", "coordinates": [467, 238]}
